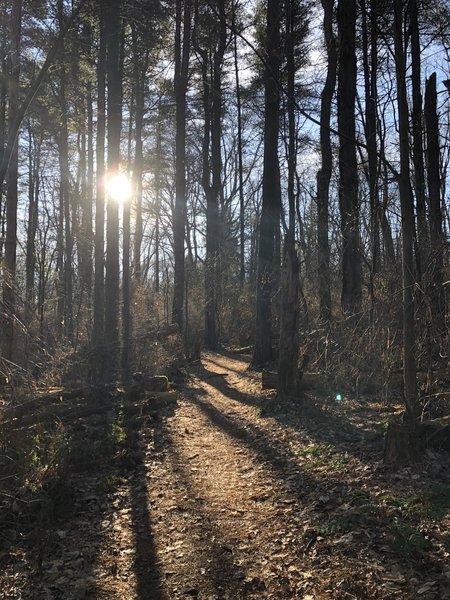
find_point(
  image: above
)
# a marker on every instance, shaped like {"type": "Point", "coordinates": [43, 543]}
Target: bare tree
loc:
{"type": "Point", "coordinates": [114, 122]}
{"type": "Point", "coordinates": [271, 193]}
{"type": "Point", "coordinates": [99, 239]}
{"type": "Point", "coordinates": [348, 167]}
{"type": "Point", "coordinates": [182, 51]}
{"type": "Point", "coordinates": [289, 337]}
{"type": "Point", "coordinates": [434, 192]}
{"type": "Point", "coordinates": [9, 259]}
{"type": "Point", "coordinates": [407, 210]}
{"type": "Point", "coordinates": [324, 174]}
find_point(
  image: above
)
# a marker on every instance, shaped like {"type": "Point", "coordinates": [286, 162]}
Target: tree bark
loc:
{"type": "Point", "coordinates": [9, 259]}
{"type": "Point", "coordinates": [114, 121]}
{"type": "Point", "coordinates": [158, 163]}
{"type": "Point", "coordinates": [87, 175]}
{"type": "Point", "coordinates": [33, 199]}
{"type": "Point", "coordinates": [140, 63]}
{"type": "Point", "coordinates": [407, 213]}
{"type": "Point", "coordinates": [289, 335]}
{"type": "Point", "coordinates": [182, 51]}
{"type": "Point", "coordinates": [213, 235]}
{"type": "Point", "coordinates": [127, 323]}
{"type": "Point", "coordinates": [324, 174]}
{"type": "Point", "coordinates": [370, 63]}
{"type": "Point", "coordinates": [437, 247]}
{"type": "Point", "coordinates": [99, 239]}
{"type": "Point", "coordinates": [417, 142]}
{"type": "Point", "coordinates": [240, 163]}
{"type": "Point", "coordinates": [271, 193]}
{"type": "Point", "coordinates": [64, 186]}
{"type": "Point", "coordinates": [211, 64]}
{"type": "Point", "coordinates": [348, 167]}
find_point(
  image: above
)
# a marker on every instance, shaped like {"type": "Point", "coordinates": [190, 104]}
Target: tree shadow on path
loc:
{"type": "Point", "coordinates": [145, 564]}
{"type": "Point", "coordinates": [322, 422]}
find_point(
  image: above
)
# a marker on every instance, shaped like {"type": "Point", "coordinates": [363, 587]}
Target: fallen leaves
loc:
{"type": "Point", "coordinates": [220, 504]}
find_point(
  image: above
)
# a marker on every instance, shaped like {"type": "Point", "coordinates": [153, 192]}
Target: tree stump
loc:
{"type": "Point", "coordinates": [269, 380]}
{"type": "Point", "coordinates": [401, 445]}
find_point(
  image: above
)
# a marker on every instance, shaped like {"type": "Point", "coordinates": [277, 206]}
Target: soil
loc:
{"type": "Point", "coordinates": [232, 495]}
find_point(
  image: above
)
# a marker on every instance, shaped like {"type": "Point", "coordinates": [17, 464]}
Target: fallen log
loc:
{"type": "Point", "coordinates": [158, 400]}
{"type": "Point", "coordinates": [48, 408]}
{"type": "Point", "coordinates": [143, 384]}
{"type": "Point", "coordinates": [58, 413]}
{"type": "Point", "coordinates": [152, 403]}
{"type": "Point", "coordinates": [58, 395]}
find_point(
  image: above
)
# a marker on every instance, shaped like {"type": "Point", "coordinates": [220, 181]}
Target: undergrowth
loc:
{"type": "Point", "coordinates": [401, 517]}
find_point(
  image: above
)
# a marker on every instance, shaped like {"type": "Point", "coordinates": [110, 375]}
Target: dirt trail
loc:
{"type": "Point", "coordinates": [239, 502]}
{"type": "Point", "coordinates": [216, 502]}
{"type": "Point", "coordinates": [230, 506]}
{"type": "Point", "coordinates": [224, 511]}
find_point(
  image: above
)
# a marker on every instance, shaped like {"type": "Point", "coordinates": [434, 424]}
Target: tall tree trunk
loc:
{"type": "Point", "coordinates": [407, 212]}
{"type": "Point", "coordinates": [9, 259]}
{"type": "Point", "coordinates": [348, 167]}
{"type": "Point", "coordinates": [386, 229]}
{"type": "Point", "coordinates": [41, 288]}
{"type": "Point", "coordinates": [99, 239]}
{"type": "Point", "coordinates": [271, 193]}
{"type": "Point", "coordinates": [370, 63]}
{"type": "Point", "coordinates": [4, 83]}
{"type": "Point", "coordinates": [182, 51]}
{"type": "Point", "coordinates": [140, 64]}
{"type": "Point", "coordinates": [127, 323]}
{"type": "Point", "coordinates": [289, 340]}
{"type": "Point", "coordinates": [114, 120]}
{"type": "Point", "coordinates": [211, 65]}
{"type": "Point", "coordinates": [127, 317]}
{"type": "Point", "coordinates": [60, 284]}
{"type": "Point", "coordinates": [87, 177]}
{"type": "Point", "coordinates": [240, 165]}
{"type": "Point", "coordinates": [158, 162]}
{"type": "Point", "coordinates": [213, 236]}
{"type": "Point", "coordinates": [81, 227]}
{"type": "Point", "coordinates": [434, 192]}
{"type": "Point", "coordinates": [417, 147]}
{"type": "Point", "coordinates": [64, 185]}
{"type": "Point", "coordinates": [324, 174]}
{"type": "Point", "coordinates": [90, 193]}
{"type": "Point", "coordinates": [33, 200]}
{"type": "Point", "coordinates": [63, 144]}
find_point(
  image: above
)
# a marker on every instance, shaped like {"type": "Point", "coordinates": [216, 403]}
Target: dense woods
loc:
{"type": "Point", "coordinates": [264, 176]}
{"type": "Point", "coordinates": [281, 154]}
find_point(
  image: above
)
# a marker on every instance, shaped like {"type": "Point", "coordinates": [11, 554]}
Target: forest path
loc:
{"type": "Point", "coordinates": [250, 501]}
{"type": "Point", "coordinates": [227, 519]}
{"type": "Point", "coordinates": [232, 496]}
{"type": "Point", "coordinates": [225, 503]}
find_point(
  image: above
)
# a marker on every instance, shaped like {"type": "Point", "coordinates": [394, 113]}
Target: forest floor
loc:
{"type": "Point", "coordinates": [229, 495]}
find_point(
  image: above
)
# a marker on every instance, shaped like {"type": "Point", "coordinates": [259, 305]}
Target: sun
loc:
{"type": "Point", "coordinates": [118, 187]}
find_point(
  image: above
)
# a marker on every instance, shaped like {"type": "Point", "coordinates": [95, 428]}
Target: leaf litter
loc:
{"type": "Point", "coordinates": [232, 496]}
